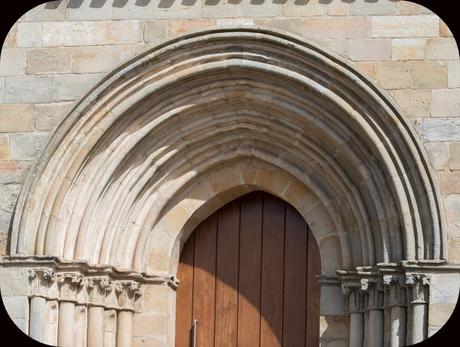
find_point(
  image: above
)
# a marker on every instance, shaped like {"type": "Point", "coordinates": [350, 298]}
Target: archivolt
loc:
{"type": "Point", "coordinates": [164, 123]}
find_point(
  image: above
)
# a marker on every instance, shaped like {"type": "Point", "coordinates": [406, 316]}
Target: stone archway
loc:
{"type": "Point", "coordinates": [172, 135]}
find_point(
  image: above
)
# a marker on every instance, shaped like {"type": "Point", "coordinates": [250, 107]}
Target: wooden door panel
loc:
{"type": "Point", "coordinates": [247, 274]}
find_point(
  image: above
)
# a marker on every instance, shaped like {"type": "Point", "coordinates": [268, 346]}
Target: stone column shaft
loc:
{"type": "Point", "coordinates": [95, 326]}
{"type": "Point", "coordinates": [37, 322]}
{"type": "Point", "coordinates": [124, 329]}
{"type": "Point", "coordinates": [397, 326]}
{"type": "Point", "coordinates": [375, 328]}
{"type": "Point", "coordinates": [66, 324]}
{"type": "Point", "coordinates": [356, 329]}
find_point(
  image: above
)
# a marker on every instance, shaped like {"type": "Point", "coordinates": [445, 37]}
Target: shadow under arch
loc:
{"type": "Point", "coordinates": [251, 265]}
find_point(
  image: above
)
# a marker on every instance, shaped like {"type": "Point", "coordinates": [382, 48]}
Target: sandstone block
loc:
{"type": "Point", "coordinates": [28, 89]}
{"type": "Point", "coordinates": [337, 46]}
{"type": "Point", "coordinates": [304, 9]}
{"type": "Point", "coordinates": [394, 74]}
{"type": "Point", "coordinates": [410, 8]}
{"type": "Point", "coordinates": [50, 11]}
{"type": "Point", "coordinates": [133, 10]}
{"type": "Point", "coordinates": [438, 152]}
{"type": "Point", "coordinates": [2, 89]}
{"type": "Point", "coordinates": [155, 31]}
{"type": "Point", "coordinates": [440, 129]}
{"type": "Point", "coordinates": [48, 60]}
{"type": "Point", "coordinates": [12, 62]}
{"type": "Point", "coordinates": [150, 325]}
{"type": "Point", "coordinates": [119, 32]}
{"type": "Point", "coordinates": [4, 147]}
{"type": "Point", "coordinates": [5, 220]}
{"type": "Point", "coordinates": [72, 86]}
{"type": "Point", "coordinates": [8, 171]}
{"type": "Point", "coordinates": [452, 206]}
{"type": "Point", "coordinates": [251, 8]}
{"type": "Point", "coordinates": [178, 9]}
{"type": "Point", "coordinates": [444, 288]}
{"type": "Point", "coordinates": [74, 33]}
{"type": "Point", "coordinates": [453, 68]}
{"type": "Point", "coordinates": [29, 34]}
{"type": "Point", "coordinates": [9, 194]}
{"type": "Point", "coordinates": [405, 26]}
{"type": "Point", "coordinates": [372, 8]}
{"type": "Point", "coordinates": [16, 306]}
{"type": "Point", "coordinates": [11, 37]}
{"type": "Point", "coordinates": [149, 342]}
{"type": "Point", "coordinates": [338, 8]}
{"type": "Point", "coordinates": [234, 21]}
{"type": "Point", "coordinates": [408, 49]}
{"type": "Point", "coordinates": [27, 146]}
{"type": "Point", "coordinates": [89, 10]}
{"type": "Point", "coordinates": [429, 75]}
{"type": "Point", "coordinates": [414, 103]}
{"type": "Point", "coordinates": [183, 26]}
{"type": "Point", "coordinates": [48, 116]}
{"type": "Point", "coordinates": [22, 324]}
{"type": "Point", "coordinates": [454, 160]}
{"type": "Point", "coordinates": [370, 49]}
{"type": "Point", "coordinates": [90, 59]}
{"type": "Point", "coordinates": [442, 49]}
{"type": "Point", "coordinates": [446, 103]}
{"type": "Point", "coordinates": [450, 182]}
{"type": "Point", "coordinates": [444, 30]}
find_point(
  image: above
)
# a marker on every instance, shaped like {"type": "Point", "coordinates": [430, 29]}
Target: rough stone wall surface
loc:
{"type": "Point", "coordinates": [56, 51]}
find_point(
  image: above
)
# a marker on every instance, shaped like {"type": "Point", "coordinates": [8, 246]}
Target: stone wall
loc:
{"type": "Point", "coordinates": [55, 52]}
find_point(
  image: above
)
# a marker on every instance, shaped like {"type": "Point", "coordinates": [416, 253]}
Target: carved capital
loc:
{"type": "Point", "coordinates": [373, 292]}
{"type": "Point", "coordinates": [69, 285]}
{"type": "Point", "coordinates": [417, 288]}
{"type": "Point", "coordinates": [127, 293]}
{"type": "Point", "coordinates": [395, 290]}
{"type": "Point", "coordinates": [98, 289]}
{"type": "Point", "coordinates": [40, 282]}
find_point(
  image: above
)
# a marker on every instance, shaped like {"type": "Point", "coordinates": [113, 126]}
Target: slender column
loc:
{"type": "Point", "coordinates": [98, 289]}
{"type": "Point", "coordinates": [69, 285]}
{"type": "Point", "coordinates": [124, 328]}
{"type": "Point", "coordinates": [356, 309]}
{"type": "Point", "coordinates": [375, 309]}
{"type": "Point", "coordinates": [418, 293]}
{"type": "Point", "coordinates": [395, 301]}
{"type": "Point", "coordinates": [127, 292]}
{"type": "Point", "coordinates": [37, 315]}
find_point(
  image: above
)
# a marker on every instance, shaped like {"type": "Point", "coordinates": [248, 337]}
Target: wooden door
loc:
{"type": "Point", "coordinates": [247, 274]}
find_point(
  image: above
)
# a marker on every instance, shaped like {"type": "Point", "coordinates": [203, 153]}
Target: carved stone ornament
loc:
{"type": "Point", "coordinates": [98, 289]}
{"type": "Point", "coordinates": [69, 285]}
{"type": "Point", "coordinates": [373, 291]}
{"type": "Point", "coordinates": [128, 292]}
{"type": "Point", "coordinates": [40, 282]}
{"type": "Point", "coordinates": [395, 290]}
{"type": "Point", "coordinates": [418, 288]}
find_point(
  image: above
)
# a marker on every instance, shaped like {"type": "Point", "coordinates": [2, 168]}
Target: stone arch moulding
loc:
{"type": "Point", "coordinates": [175, 133]}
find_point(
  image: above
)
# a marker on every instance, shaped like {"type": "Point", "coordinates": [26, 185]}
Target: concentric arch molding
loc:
{"type": "Point", "coordinates": [171, 135]}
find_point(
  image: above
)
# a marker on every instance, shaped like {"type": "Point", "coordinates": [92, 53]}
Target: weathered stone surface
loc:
{"type": "Point", "coordinates": [442, 49]}
{"type": "Point", "coordinates": [89, 10]}
{"type": "Point", "coordinates": [454, 74]}
{"type": "Point", "coordinates": [338, 8]}
{"type": "Point", "coordinates": [133, 10]}
{"type": "Point", "coordinates": [71, 87]}
{"type": "Point", "coordinates": [408, 49]}
{"type": "Point", "coordinates": [50, 11]}
{"type": "Point", "coordinates": [370, 49]}
{"type": "Point", "coordinates": [444, 30]}
{"type": "Point", "coordinates": [90, 59]}
{"type": "Point", "coordinates": [120, 32]}
{"type": "Point", "coordinates": [452, 206]}
{"type": "Point", "coordinates": [8, 171]}
{"type": "Point", "coordinates": [440, 129]}
{"type": "Point", "coordinates": [48, 60]}
{"type": "Point", "coordinates": [454, 160]}
{"type": "Point", "coordinates": [439, 153]}
{"type": "Point", "coordinates": [12, 62]}
{"type": "Point", "coordinates": [450, 181]}
{"type": "Point", "coordinates": [29, 34]}
{"type": "Point", "coordinates": [11, 37]}
{"type": "Point", "coordinates": [305, 8]}
{"type": "Point", "coordinates": [48, 116]}
{"type": "Point", "coordinates": [17, 306]}
{"type": "Point", "coordinates": [409, 8]}
{"type": "Point", "coordinates": [8, 196]}
{"type": "Point", "coordinates": [28, 89]}
{"type": "Point", "coordinates": [394, 74]}
{"type": "Point", "coordinates": [178, 27]}
{"type": "Point", "coordinates": [179, 9]}
{"type": "Point", "coordinates": [150, 325]}
{"type": "Point", "coordinates": [338, 46]}
{"type": "Point", "coordinates": [446, 103]}
{"type": "Point", "coordinates": [334, 327]}
{"type": "Point", "coordinates": [405, 26]}
{"type": "Point", "coordinates": [4, 147]}
{"type": "Point", "coordinates": [429, 75]}
{"type": "Point", "coordinates": [366, 8]}
{"type": "Point", "coordinates": [414, 103]}
{"type": "Point", "coordinates": [234, 21]}
{"type": "Point", "coordinates": [155, 31]}
{"type": "Point", "coordinates": [27, 146]}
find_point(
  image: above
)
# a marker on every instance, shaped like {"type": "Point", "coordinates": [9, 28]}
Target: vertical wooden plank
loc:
{"type": "Point", "coordinates": [249, 272]}
{"type": "Point", "coordinates": [227, 275]}
{"type": "Point", "coordinates": [272, 272]}
{"type": "Point", "coordinates": [313, 291]}
{"type": "Point", "coordinates": [204, 281]}
{"type": "Point", "coordinates": [295, 279]}
{"type": "Point", "coordinates": [184, 294]}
